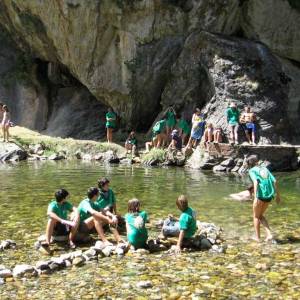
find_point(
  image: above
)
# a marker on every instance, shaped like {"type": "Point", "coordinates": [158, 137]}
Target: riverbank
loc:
{"type": "Point", "coordinates": [30, 145]}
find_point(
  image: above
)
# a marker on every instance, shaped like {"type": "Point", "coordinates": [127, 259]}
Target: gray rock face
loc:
{"type": "Point", "coordinates": [24, 270]}
{"type": "Point", "coordinates": [222, 69]}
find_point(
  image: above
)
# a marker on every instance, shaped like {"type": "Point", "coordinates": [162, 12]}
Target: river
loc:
{"type": "Point", "coordinates": [246, 271]}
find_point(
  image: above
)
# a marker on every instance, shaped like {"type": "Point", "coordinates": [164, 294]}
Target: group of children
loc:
{"type": "Point", "coordinates": [5, 121]}
{"type": "Point", "coordinates": [98, 213]}
{"type": "Point", "coordinates": [173, 130]}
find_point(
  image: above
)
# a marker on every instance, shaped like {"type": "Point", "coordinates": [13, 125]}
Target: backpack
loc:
{"type": "Point", "coordinates": [265, 188]}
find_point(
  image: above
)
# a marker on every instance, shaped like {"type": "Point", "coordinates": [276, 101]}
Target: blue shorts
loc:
{"type": "Point", "coordinates": [249, 127]}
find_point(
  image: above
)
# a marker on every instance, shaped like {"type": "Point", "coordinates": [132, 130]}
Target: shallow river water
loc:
{"type": "Point", "coordinates": [247, 271]}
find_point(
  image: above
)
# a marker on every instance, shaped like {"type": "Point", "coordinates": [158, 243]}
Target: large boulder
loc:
{"type": "Point", "coordinates": [213, 70]}
{"type": "Point", "coordinates": [11, 152]}
{"type": "Point", "coordinates": [275, 23]}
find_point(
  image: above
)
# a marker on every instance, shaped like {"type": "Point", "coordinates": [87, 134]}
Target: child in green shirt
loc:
{"type": "Point", "coordinates": [111, 122]}
{"type": "Point", "coordinates": [170, 119]}
{"type": "Point", "coordinates": [233, 116]}
{"type": "Point", "coordinates": [184, 128]}
{"type": "Point", "coordinates": [92, 216]}
{"type": "Point", "coordinates": [131, 144]}
{"type": "Point", "coordinates": [137, 233]}
{"type": "Point", "coordinates": [58, 223]}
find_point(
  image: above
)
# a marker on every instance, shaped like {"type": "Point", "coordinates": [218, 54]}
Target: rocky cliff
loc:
{"type": "Point", "coordinates": [139, 56]}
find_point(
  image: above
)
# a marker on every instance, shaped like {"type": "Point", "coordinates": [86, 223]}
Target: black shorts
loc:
{"type": "Point", "coordinates": [60, 229]}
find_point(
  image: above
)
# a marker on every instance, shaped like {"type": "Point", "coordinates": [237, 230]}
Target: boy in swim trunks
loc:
{"type": "Point", "coordinates": [247, 120]}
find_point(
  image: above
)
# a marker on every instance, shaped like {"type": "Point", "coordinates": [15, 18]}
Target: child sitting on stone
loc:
{"type": "Point", "coordinates": [208, 136]}
{"type": "Point", "coordinates": [131, 144]}
{"type": "Point", "coordinates": [185, 227]}
{"type": "Point", "coordinates": [137, 233]}
{"type": "Point", "coordinates": [58, 223]}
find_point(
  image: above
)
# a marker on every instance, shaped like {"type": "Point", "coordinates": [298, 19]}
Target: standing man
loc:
{"type": "Point", "coordinates": [247, 120]}
{"type": "Point", "coordinates": [111, 120]}
{"type": "Point", "coordinates": [233, 115]}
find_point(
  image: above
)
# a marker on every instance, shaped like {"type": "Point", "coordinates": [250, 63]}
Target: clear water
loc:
{"type": "Point", "coordinates": [27, 188]}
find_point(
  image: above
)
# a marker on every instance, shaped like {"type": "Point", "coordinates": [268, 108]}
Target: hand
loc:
{"type": "Point", "coordinates": [278, 199]}
{"type": "Point", "coordinates": [115, 219]}
{"type": "Point", "coordinates": [178, 250]}
{"type": "Point", "coordinates": [69, 223]}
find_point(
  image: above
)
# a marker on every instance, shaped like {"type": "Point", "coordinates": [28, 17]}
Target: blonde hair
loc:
{"type": "Point", "coordinates": [182, 202]}
{"type": "Point", "coordinates": [133, 205]}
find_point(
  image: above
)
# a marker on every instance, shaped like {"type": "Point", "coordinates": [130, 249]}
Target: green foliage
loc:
{"type": "Point", "coordinates": [155, 154]}
{"type": "Point", "coordinates": [295, 4]}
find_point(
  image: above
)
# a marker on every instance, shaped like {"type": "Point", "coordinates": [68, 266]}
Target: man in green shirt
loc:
{"type": "Point", "coordinates": [264, 189]}
{"type": "Point", "coordinates": [233, 116]}
{"type": "Point", "coordinates": [184, 128]}
{"type": "Point", "coordinates": [58, 223]}
{"type": "Point", "coordinates": [111, 120]}
{"type": "Point", "coordinates": [93, 217]}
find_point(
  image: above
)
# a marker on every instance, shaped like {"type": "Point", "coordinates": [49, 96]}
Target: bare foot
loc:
{"type": "Point", "coordinates": [269, 238]}
{"type": "Point", "coordinates": [256, 239]}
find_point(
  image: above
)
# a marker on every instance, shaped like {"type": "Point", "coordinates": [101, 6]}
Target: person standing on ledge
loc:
{"type": "Point", "coordinates": [233, 115]}
{"type": "Point", "coordinates": [264, 189]}
{"type": "Point", "coordinates": [111, 119]}
{"type": "Point", "coordinates": [171, 120]}
{"type": "Point", "coordinates": [5, 123]}
{"type": "Point", "coordinates": [247, 120]}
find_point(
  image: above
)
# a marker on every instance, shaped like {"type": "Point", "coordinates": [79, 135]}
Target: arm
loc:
{"type": "Point", "coordinates": [179, 242]}
{"type": "Point", "coordinates": [278, 198]}
{"type": "Point", "coordinates": [255, 184]}
{"type": "Point", "coordinates": [54, 216]}
{"type": "Point", "coordinates": [100, 216]}
{"type": "Point", "coordinates": [75, 211]}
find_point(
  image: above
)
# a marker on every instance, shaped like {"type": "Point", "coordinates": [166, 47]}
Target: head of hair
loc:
{"type": "Point", "coordinates": [252, 160]}
{"type": "Point", "coordinates": [92, 192]}
{"type": "Point", "coordinates": [209, 125]}
{"type": "Point", "coordinates": [132, 133]}
{"type": "Point", "coordinates": [134, 205]}
{"type": "Point", "coordinates": [1, 104]}
{"type": "Point", "coordinates": [5, 108]}
{"type": "Point", "coordinates": [61, 194]}
{"type": "Point", "coordinates": [197, 110]}
{"type": "Point", "coordinates": [182, 202]}
{"type": "Point", "coordinates": [109, 109]}
{"type": "Point", "coordinates": [248, 108]}
{"type": "Point", "coordinates": [102, 182]}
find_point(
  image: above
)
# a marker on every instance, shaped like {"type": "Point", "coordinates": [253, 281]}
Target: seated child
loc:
{"type": "Point", "coordinates": [208, 136]}
{"type": "Point", "coordinates": [176, 143]}
{"type": "Point", "coordinates": [58, 223]}
{"type": "Point", "coordinates": [137, 233]}
{"type": "Point", "coordinates": [185, 227]}
{"type": "Point", "coordinates": [131, 143]}
{"type": "Point", "coordinates": [218, 135]}
{"type": "Point", "coordinates": [91, 216]}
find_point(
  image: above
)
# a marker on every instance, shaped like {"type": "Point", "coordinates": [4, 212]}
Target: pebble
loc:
{"type": "Point", "coordinates": [5, 273]}
{"type": "Point", "coordinates": [2, 281]}
{"type": "Point", "coordinates": [144, 284]}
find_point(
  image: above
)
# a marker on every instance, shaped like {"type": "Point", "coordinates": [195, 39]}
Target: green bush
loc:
{"type": "Point", "coordinates": [154, 155]}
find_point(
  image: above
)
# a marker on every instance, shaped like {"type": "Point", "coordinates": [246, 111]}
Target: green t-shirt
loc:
{"type": "Point", "coordinates": [187, 222]}
{"type": "Point", "coordinates": [132, 141]}
{"type": "Point", "coordinates": [159, 126]}
{"type": "Point", "coordinates": [233, 116]}
{"type": "Point", "coordinates": [61, 210]}
{"type": "Point", "coordinates": [111, 123]}
{"type": "Point", "coordinates": [106, 199]}
{"type": "Point", "coordinates": [183, 124]}
{"type": "Point", "coordinates": [266, 182]}
{"type": "Point", "coordinates": [171, 121]}
{"type": "Point", "coordinates": [84, 208]}
{"type": "Point", "coordinates": [137, 234]}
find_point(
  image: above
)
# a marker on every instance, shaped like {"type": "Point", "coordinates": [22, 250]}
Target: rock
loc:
{"type": "Point", "coordinates": [108, 250]}
{"type": "Point", "coordinates": [10, 151]}
{"type": "Point", "coordinates": [6, 273]}
{"type": "Point", "coordinates": [75, 254]}
{"type": "Point", "coordinates": [56, 156]}
{"type": "Point", "coordinates": [8, 244]}
{"type": "Point", "coordinates": [219, 168]}
{"type": "Point", "coordinates": [144, 284]}
{"type": "Point", "coordinates": [99, 246]}
{"type": "Point", "coordinates": [24, 270]}
{"type": "Point", "coordinates": [58, 260]}
{"type": "Point", "coordinates": [91, 253]}
{"type": "Point", "coordinates": [142, 251]}
{"type": "Point", "coordinates": [78, 154]}
{"type": "Point", "coordinates": [111, 157]}
{"type": "Point", "coordinates": [68, 263]}
{"type": "Point", "coordinates": [87, 157]}
{"type": "Point", "coordinates": [2, 281]}
{"type": "Point", "coordinates": [228, 163]}
{"type": "Point", "coordinates": [235, 169]}
{"type": "Point", "coordinates": [98, 156]}
{"type": "Point", "coordinates": [126, 161]}
{"type": "Point", "coordinates": [42, 265]}
{"type": "Point", "coordinates": [119, 251]}
{"type": "Point", "coordinates": [78, 261]}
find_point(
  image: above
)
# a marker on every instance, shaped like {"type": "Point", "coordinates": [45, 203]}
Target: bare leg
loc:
{"type": "Point", "coordinates": [231, 136]}
{"type": "Point", "coordinates": [253, 137]}
{"type": "Point", "coordinates": [248, 136]}
{"type": "Point", "coordinates": [73, 234]}
{"type": "Point", "coordinates": [49, 230]}
{"type": "Point", "coordinates": [159, 140]}
{"type": "Point", "coordinates": [236, 130]}
{"type": "Point", "coordinates": [265, 223]}
{"type": "Point", "coordinates": [116, 234]}
{"type": "Point", "coordinates": [3, 130]}
{"type": "Point", "coordinates": [256, 218]}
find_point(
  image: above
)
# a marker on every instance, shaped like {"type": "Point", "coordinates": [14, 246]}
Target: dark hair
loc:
{"type": "Point", "coordinates": [252, 160]}
{"type": "Point", "coordinates": [182, 202]}
{"type": "Point", "coordinates": [61, 194]}
{"type": "Point", "coordinates": [1, 104]}
{"type": "Point", "coordinates": [5, 107]}
{"type": "Point", "coordinates": [92, 191]}
{"type": "Point", "coordinates": [131, 133]}
{"type": "Point", "coordinates": [197, 110]}
{"type": "Point", "coordinates": [102, 182]}
{"type": "Point", "coordinates": [134, 205]}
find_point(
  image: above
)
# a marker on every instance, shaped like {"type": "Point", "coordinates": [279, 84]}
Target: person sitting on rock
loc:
{"type": "Point", "coordinates": [93, 217]}
{"type": "Point", "coordinates": [58, 223]}
{"type": "Point", "coordinates": [185, 227]}
{"type": "Point", "coordinates": [170, 120]}
{"type": "Point", "coordinates": [198, 127]}
{"type": "Point", "coordinates": [176, 142]}
{"type": "Point", "coordinates": [218, 135]}
{"type": "Point", "coordinates": [265, 187]}
{"type": "Point", "coordinates": [208, 136]}
{"type": "Point", "coordinates": [159, 137]}
{"type": "Point", "coordinates": [247, 120]}
{"type": "Point", "coordinates": [131, 144]}
{"type": "Point", "coordinates": [137, 234]}
{"type": "Point", "coordinates": [111, 123]}
{"type": "Point", "coordinates": [233, 114]}
{"type": "Point", "coordinates": [183, 127]}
